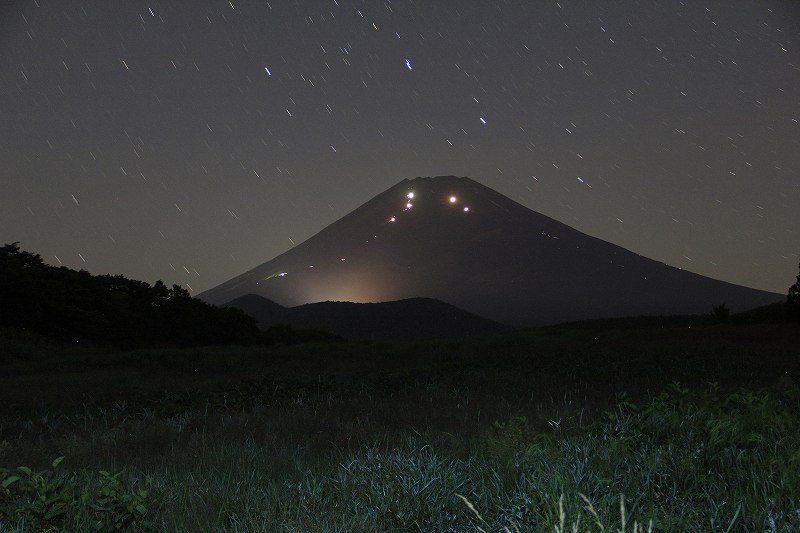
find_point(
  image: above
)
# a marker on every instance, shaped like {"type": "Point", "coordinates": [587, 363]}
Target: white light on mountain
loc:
{"type": "Point", "coordinates": [410, 195]}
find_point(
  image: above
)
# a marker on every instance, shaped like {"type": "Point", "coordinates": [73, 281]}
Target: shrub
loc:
{"type": "Point", "coordinates": [55, 499]}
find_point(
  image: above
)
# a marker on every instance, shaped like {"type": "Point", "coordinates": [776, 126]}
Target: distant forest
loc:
{"type": "Point", "coordinates": [112, 310]}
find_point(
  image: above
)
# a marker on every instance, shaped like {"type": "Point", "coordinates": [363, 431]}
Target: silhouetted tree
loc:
{"type": "Point", "coordinates": [793, 299]}
{"type": "Point", "coordinates": [110, 310]}
{"type": "Point", "coordinates": [20, 299]}
{"type": "Point", "coordinates": [721, 313]}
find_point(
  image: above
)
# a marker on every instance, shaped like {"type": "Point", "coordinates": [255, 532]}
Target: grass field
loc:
{"type": "Point", "coordinates": [558, 429]}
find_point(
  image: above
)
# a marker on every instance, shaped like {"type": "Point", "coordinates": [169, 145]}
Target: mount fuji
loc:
{"type": "Point", "coordinates": [461, 242]}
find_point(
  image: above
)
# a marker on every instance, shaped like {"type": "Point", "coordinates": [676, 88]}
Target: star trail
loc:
{"type": "Point", "coordinates": [191, 141]}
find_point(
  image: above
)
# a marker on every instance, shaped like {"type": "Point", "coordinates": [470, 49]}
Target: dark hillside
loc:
{"type": "Point", "coordinates": [413, 318]}
{"type": "Point", "coordinates": [109, 310]}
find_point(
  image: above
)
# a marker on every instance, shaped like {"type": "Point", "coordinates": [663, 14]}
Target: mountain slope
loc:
{"type": "Point", "coordinates": [481, 252]}
{"type": "Point", "coordinates": [414, 318]}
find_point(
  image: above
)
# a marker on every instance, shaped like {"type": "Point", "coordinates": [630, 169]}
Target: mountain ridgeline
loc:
{"type": "Point", "coordinates": [414, 318]}
{"type": "Point", "coordinates": [117, 312]}
{"type": "Point", "coordinates": [455, 240]}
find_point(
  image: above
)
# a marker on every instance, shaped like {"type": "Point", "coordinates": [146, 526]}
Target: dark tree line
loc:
{"type": "Point", "coordinates": [110, 310]}
{"type": "Point", "coordinates": [793, 299]}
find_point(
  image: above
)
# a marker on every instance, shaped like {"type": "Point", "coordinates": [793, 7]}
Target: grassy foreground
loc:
{"type": "Point", "coordinates": [677, 429]}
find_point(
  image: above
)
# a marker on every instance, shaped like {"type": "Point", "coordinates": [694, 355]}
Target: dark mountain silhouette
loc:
{"type": "Point", "coordinates": [414, 318]}
{"type": "Point", "coordinates": [481, 252]}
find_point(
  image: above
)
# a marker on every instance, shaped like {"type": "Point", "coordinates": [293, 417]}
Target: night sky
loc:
{"type": "Point", "coordinates": [190, 141]}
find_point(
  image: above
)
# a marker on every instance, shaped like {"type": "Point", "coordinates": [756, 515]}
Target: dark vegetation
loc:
{"type": "Point", "coordinates": [115, 311]}
{"type": "Point", "coordinates": [695, 423]}
{"type": "Point", "coordinates": [381, 436]}
{"type": "Point", "coordinates": [793, 300]}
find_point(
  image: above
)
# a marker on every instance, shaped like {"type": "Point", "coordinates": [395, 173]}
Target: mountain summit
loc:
{"type": "Point", "coordinates": [458, 241]}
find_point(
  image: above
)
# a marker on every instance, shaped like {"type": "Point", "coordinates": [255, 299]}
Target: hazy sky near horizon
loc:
{"type": "Point", "coordinates": [190, 141]}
